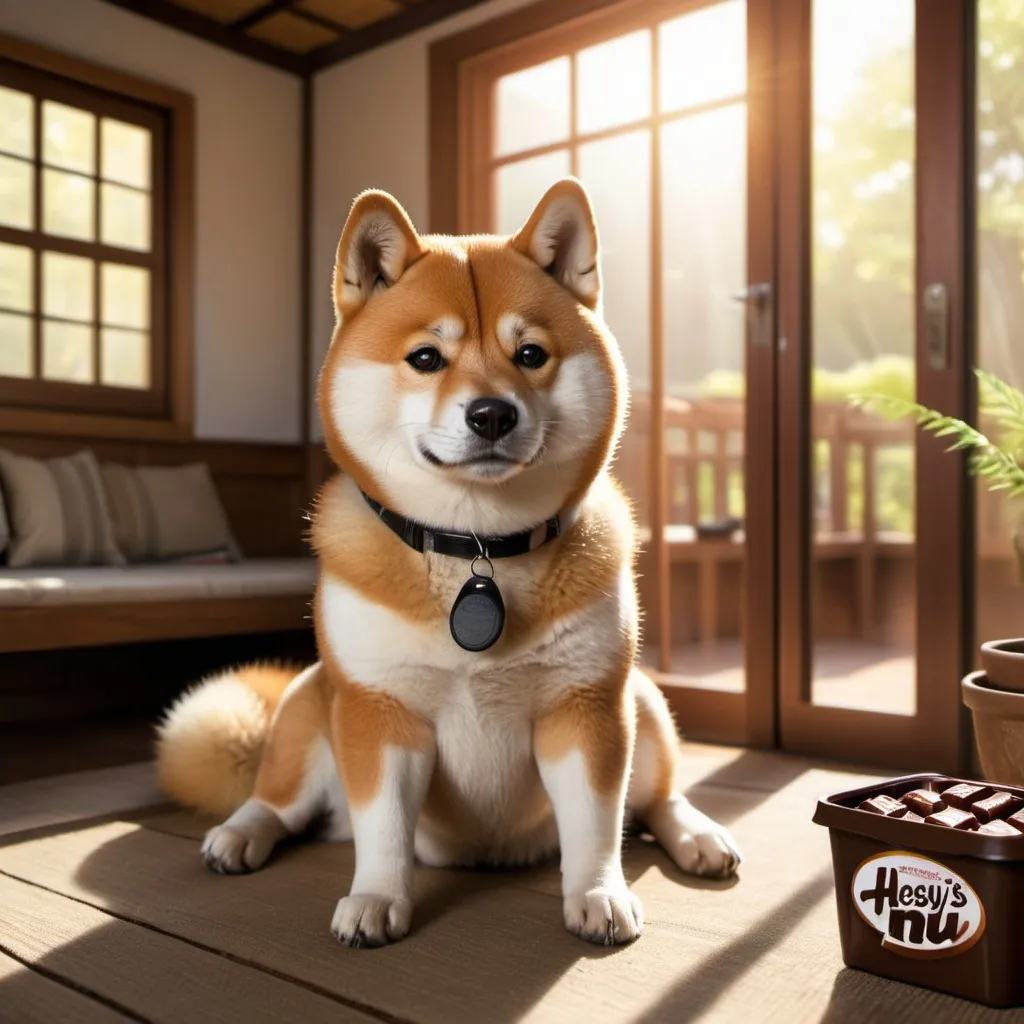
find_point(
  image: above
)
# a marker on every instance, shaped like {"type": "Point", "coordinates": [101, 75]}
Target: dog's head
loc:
{"type": "Point", "coordinates": [471, 383]}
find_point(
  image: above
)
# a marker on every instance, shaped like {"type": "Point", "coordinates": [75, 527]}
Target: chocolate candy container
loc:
{"type": "Point", "coordinates": [937, 905]}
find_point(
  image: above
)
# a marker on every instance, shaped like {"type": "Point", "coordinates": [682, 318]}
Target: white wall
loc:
{"type": "Point", "coordinates": [370, 131]}
{"type": "Point", "coordinates": [248, 125]}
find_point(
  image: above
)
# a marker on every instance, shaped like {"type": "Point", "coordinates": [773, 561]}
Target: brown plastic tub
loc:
{"type": "Point", "coordinates": [925, 904]}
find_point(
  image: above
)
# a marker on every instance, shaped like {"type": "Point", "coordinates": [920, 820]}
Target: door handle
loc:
{"type": "Point", "coordinates": [758, 300]}
{"type": "Point", "coordinates": [758, 293]}
{"type": "Point", "coordinates": [936, 325]}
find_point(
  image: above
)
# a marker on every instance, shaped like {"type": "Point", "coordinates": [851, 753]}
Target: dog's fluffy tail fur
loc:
{"type": "Point", "coordinates": [210, 741]}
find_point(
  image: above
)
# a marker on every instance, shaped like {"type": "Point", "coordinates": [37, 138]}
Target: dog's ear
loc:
{"type": "Point", "coordinates": [561, 238]}
{"type": "Point", "coordinates": [378, 243]}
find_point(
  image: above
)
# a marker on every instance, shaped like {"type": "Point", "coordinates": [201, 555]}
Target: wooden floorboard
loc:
{"type": "Point", "coordinates": [29, 997]}
{"type": "Point", "coordinates": [81, 796]}
{"type": "Point", "coordinates": [154, 976]}
{"type": "Point", "coordinates": [486, 947]}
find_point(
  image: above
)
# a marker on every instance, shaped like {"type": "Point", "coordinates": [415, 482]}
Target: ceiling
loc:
{"type": "Point", "coordinates": [301, 36]}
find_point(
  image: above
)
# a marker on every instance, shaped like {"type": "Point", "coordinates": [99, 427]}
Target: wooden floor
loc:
{"type": "Point", "coordinates": [117, 919]}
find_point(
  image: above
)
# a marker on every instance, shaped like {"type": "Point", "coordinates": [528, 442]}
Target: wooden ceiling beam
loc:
{"type": "Point", "coordinates": [408, 20]}
{"type": "Point", "coordinates": [322, 20]}
{"type": "Point", "coordinates": [213, 31]}
{"type": "Point", "coordinates": [234, 36]}
{"type": "Point", "coordinates": [257, 14]}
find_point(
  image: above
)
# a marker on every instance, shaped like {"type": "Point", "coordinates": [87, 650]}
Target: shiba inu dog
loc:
{"type": "Point", "coordinates": [472, 398]}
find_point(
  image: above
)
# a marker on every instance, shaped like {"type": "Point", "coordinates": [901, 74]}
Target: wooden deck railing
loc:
{"type": "Point", "coordinates": [860, 513]}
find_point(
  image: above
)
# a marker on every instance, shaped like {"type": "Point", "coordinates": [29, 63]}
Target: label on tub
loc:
{"type": "Point", "coordinates": [918, 906]}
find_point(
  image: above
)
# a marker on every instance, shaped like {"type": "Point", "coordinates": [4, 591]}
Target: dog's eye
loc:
{"type": "Point", "coordinates": [426, 359]}
{"type": "Point", "coordinates": [530, 357]}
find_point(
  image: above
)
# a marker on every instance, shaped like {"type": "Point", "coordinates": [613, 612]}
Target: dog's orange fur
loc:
{"type": "Point", "coordinates": [365, 723]}
{"type": "Point", "coordinates": [599, 722]}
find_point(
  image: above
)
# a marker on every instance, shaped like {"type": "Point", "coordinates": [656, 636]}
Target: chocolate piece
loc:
{"type": "Point", "coordinates": [883, 804]}
{"type": "Point", "coordinates": [1017, 821]}
{"type": "Point", "coordinates": [924, 801]}
{"type": "Point", "coordinates": [965, 794]}
{"type": "Point", "coordinates": [953, 817]}
{"type": "Point", "coordinates": [997, 828]}
{"type": "Point", "coordinates": [998, 805]}
{"type": "Point", "coordinates": [911, 816]}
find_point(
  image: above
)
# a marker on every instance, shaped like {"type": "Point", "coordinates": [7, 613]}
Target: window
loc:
{"type": "Point", "coordinates": [85, 258]}
{"type": "Point", "coordinates": [647, 105]}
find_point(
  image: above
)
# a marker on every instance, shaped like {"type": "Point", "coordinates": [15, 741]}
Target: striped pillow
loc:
{"type": "Point", "coordinates": [162, 513]}
{"type": "Point", "coordinates": [58, 512]}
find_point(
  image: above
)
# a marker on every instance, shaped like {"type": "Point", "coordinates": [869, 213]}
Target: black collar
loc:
{"type": "Point", "coordinates": [465, 545]}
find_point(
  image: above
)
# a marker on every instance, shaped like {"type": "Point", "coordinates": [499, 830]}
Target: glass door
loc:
{"type": "Point", "coordinates": [664, 110]}
{"type": "Point", "coordinates": [873, 573]}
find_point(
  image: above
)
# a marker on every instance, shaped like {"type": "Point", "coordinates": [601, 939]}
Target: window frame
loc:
{"type": "Point", "coordinates": [165, 408]}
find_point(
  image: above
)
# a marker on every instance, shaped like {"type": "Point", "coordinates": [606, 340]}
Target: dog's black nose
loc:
{"type": "Point", "coordinates": [491, 418]}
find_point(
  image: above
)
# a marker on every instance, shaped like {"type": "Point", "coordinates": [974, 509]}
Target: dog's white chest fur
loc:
{"type": "Point", "coordinates": [482, 706]}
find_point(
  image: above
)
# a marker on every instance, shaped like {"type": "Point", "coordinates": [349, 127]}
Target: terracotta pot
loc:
{"type": "Point", "coordinates": [1003, 662]}
{"type": "Point", "coordinates": [998, 729]}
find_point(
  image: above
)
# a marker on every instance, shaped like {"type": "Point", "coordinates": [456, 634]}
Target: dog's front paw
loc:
{"type": "Point", "coordinates": [608, 916]}
{"type": "Point", "coordinates": [235, 851]}
{"type": "Point", "coordinates": [367, 921]}
{"type": "Point", "coordinates": [703, 847]}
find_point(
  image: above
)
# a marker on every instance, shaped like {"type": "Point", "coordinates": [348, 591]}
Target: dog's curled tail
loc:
{"type": "Point", "coordinates": [211, 739]}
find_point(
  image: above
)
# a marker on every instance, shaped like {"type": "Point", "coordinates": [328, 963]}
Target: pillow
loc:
{"type": "Point", "coordinates": [58, 512]}
{"type": "Point", "coordinates": [162, 513]}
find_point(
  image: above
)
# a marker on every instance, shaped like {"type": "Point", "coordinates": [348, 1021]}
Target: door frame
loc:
{"type": "Point", "coordinates": [936, 737]}
{"type": "Point", "coordinates": [462, 69]}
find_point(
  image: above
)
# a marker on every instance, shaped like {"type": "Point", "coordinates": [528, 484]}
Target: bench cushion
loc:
{"type": "Point", "coordinates": [21, 588]}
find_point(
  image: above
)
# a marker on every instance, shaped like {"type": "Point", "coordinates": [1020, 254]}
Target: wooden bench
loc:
{"type": "Point", "coordinates": [264, 493]}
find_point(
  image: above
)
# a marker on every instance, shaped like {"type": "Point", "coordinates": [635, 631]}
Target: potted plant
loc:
{"type": "Point", "coordinates": [995, 695]}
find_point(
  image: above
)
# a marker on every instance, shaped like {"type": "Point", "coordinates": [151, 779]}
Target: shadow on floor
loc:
{"type": "Point", "coordinates": [469, 926]}
{"type": "Point", "coordinates": [700, 988]}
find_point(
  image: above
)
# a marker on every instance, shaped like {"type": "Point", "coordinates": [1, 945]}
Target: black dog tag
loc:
{"type": "Point", "coordinates": [478, 615]}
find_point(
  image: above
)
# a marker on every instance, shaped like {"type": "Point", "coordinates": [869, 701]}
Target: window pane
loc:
{"type": "Point", "coordinates": [124, 359]}
{"type": "Point", "coordinates": [125, 149]}
{"type": "Point", "coordinates": [67, 352]}
{"type": "Point", "coordinates": [863, 267]}
{"type": "Point", "coordinates": [15, 345]}
{"type": "Point", "coordinates": [704, 173]}
{"type": "Point", "coordinates": [69, 138]}
{"type": "Point", "coordinates": [617, 173]}
{"type": "Point", "coordinates": [15, 193]}
{"type": "Point", "coordinates": [125, 217]}
{"type": "Point", "coordinates": [533, 107]}
{"type": "Point", "coordinates": [68, 205]}
{"type": "Point", "coordinates": [703, 56]}
{"type": "Point", "coordinates": [125, 295]}
{"type": "Point", "coordinates": [15, 277]}
{"type": "Point", "coordinates": [613, 82]}
{"type": "Point", "coordinates": [521, 185]}
{"type": "Point", "coordinates": [16, 123]}
{"type": "Point", "coordinates": [67, 286]}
